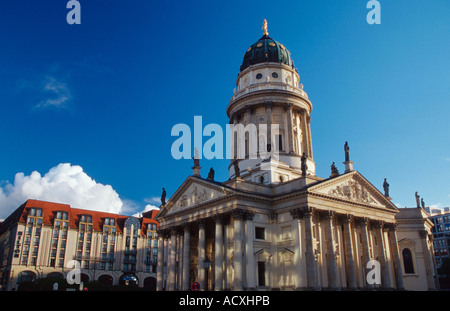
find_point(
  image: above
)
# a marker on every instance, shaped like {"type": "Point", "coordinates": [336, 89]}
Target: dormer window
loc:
{"type": "Point", "coordinates": [109, 222]}
{"type": "Point", "coordinates": [86, 223]}
{"type": "Point", "coordinates": [62, 216]}
{"type": "Point", "coordinates": [109, 225]}
{"type": "Point", "coordinates": [86, 218]}
{"type": "Point", "coordinates": [35, 217]}
{"type": "Point", "coordinates": [36, 212]}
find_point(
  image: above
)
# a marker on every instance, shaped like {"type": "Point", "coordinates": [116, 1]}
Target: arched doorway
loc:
{"type": "Point", "coordinates": [55, 275]}
{"type": "Point", "coordinates": [106, 279]}
{"type": "Point", "coordinates": [150, 283]}
{"type": "Point", "coordinates": [84, 278]}
{"type": "Point", "coordinates": [26, 280]}
{"type": "Point", "coordinates": [128, 280]}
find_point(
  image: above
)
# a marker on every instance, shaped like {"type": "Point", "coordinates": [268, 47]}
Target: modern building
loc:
{"type": "Point", "coordinates": [441, 234]}
{"type": "Point", "coordinates": [43, 239]}
{"type": "Point", "coordinates": [275, 224]}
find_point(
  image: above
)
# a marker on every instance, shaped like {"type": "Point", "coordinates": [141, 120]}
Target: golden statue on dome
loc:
{"type": "Point", "coordinates": [264, 27]}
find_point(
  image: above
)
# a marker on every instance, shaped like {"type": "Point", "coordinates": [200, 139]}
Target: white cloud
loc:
{"type": "Point", "coordinates": [399, 205]}
{"type": "Point", "coordinates": [147, 208]}
{"type": "Point", "coordinates": [155, 200]}
{"type": "Point", "coordinates": [437, 206]}
{"type": "Point", "coordinates": [64, 183]}
{"type": "Point", "coordinates": [57, 94]}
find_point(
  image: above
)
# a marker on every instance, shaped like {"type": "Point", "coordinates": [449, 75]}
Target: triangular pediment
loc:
{"type": "Point", "coordinates": [194, 191]}
{"type": "Point", "coordinates": [353, 187]}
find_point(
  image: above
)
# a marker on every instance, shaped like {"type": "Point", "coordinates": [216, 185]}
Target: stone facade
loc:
{"type": "Point", "coordinates": [275, 225]}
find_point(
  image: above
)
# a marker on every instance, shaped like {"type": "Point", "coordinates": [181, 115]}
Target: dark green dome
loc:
{"type": "Point", "coordinates": [265, 50]}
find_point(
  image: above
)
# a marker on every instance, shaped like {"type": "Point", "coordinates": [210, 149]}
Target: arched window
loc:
{"type": "Point", "coordinates": [26, 276]}
{"type": "Point", "coordinates": [136, 224]}
{"type": "Point", "coordinates": [407, 260]}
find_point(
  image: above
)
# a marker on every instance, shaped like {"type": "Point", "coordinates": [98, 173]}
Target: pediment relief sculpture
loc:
{"type": "Point", "coordinates": [196, 194]}
{"type": "Point", "coordinates": [352, 190]}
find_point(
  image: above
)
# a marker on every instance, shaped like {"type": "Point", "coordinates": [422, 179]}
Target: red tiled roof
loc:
{"type": "Point", "coordinates": [49, 210]}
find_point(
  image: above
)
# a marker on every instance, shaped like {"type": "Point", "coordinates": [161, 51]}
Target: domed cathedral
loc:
{"type": "Point", "coordinates": [269, 97]}
{"type": "Point", "coordinates": [274, 224]}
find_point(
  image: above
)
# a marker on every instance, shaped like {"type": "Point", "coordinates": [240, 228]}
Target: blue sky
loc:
{"type": "Point", "coordinates": [105, 94]}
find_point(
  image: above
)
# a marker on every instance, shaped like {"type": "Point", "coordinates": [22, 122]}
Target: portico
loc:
{"type": "Point", "coordinates": [292, 240]}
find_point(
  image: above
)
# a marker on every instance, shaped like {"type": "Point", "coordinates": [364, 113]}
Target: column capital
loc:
{"type": "Point", "coordinates": [248, 215]}
{"type": "Point", "coordinates": [238, 213]}
{"type": "Point", "coordinates": [327, 215]}
{"type": "Point", "coordinates": [186, 226]}
{"type": "Point", "coordinates": [423, 234]}
{"type": "Point", "coordinates": [362, 221]}
{"type": "Point", "coordinates": [379, 224]}
{"type": "Point", "coordinates": [218, 219]}
{"type": "Point", "coordinates": [288, 106]}
{"type": "Point", "coordinates": [308, 211]}
{"type": "Point", "coordinates": [201, 223]}
{"type": "Point", "coordinates": [301, 212]}
{"type": "Point", "coordinates": [164, 233]}
{"type": "Point", "coordinates": [274, 217]}
{"type": "Point", "coordinates": [296, 213]}
{"type": "Point", "coordinates": [347, 218]}
{"type": "Point", "coordinates": [392, 226]}
{"type": "Point", "coordinates": [268, 104]}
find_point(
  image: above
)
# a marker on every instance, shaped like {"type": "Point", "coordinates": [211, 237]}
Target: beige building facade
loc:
{"type": "Point", "coordinates": [44, 239]}
{"type": "Point", "coordinates": [275, 225]}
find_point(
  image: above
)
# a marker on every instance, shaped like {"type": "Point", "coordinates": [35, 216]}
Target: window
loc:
{"type": "Point", "coordinates": [407, 261]}
{"type": "Point", "coordinates": [280, 142]}
{"type": "Point", "coordinates": [260, 233]}
{"type": "Point", "coordinates": [86, 218]}
{"type": "Point", "coordinates": [35, 217]}
{"type": "Point", "coordinates": [261, 273]}
{"type": "Point", "coordinates": [62, 215]}
{"type": "Point", "coordinates": [37, 212]}
{"type": "Point", "coordinates": [109, 225]}
{"type": "Point", "coordinates": [259, 76]}
{"type": "Point", "coordinates": [274, 75]}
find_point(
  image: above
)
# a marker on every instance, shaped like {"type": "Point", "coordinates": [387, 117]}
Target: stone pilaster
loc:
{"type": "Point", "coordinates": [349, 256]}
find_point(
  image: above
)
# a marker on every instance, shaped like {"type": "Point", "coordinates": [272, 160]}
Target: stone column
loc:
{"type": "Point", "coordinates": [186, 258]}
{"type": "Point", "coordinates": [365, 246]}
{"type": "Point", "coordinates": [396, 256]}
{"type": "Point", "coordinates": [160, 264]}
{"type": "Point", "coordinates": [250, 258]}
{"type": "Point", "coordinates": [269, 126]}
{"type": "Point", "coordinates": [308, 120]}
{"type": "Point", "coordinates": [218, 255]}
{"type": "Point", "coordinates": [290, 128]}
{"type": "Point", "coordinates": [332, 270]}
{"type": "Point", "coordinates": [382, 255]}
{"type": "Point", "coordinates": [237, 258]}
{"type": "Point", "coordinates": [426, 256]}
{"type": "Point", "coordinates": [349, 257]}
{"type": "Point", "coordinates": [308, 213]}
{"type": "Point", "coordinates": [180, 252]}
{"type": "Point", "coordinates": [201, 254]}
{"type": "Point", "coordinates": [305, 138]}
{"type": "Point", "coordinates": [172, 257]}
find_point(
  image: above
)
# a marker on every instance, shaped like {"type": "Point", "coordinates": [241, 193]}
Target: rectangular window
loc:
{"type": "Point", "coordinates": [260, 233]}
{"type": "Point", "coordinates": [280, 142]}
